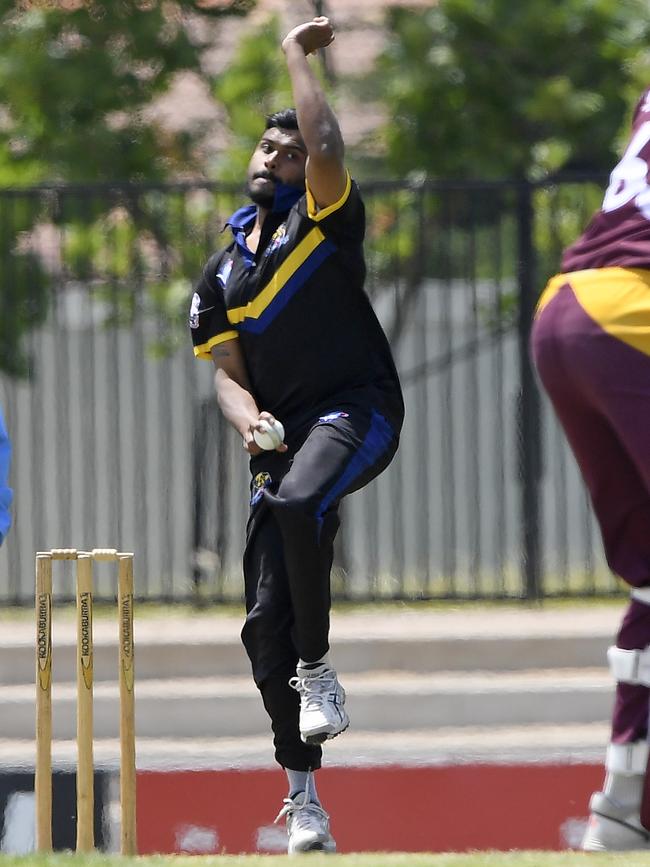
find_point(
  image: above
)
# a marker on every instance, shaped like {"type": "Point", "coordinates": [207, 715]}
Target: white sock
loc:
{"type": "Point", "coordinates": [323, 663]}
{"type": "Point", "coordinates": [302, 781]}
{"type": "Point", "coordinates": [627, 789]}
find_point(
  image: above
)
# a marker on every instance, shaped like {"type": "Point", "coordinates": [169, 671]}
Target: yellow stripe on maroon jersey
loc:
{"type": "Point", "coordinates": [618, 299]}
{"type": "Point", "coordinates": [551, 290]}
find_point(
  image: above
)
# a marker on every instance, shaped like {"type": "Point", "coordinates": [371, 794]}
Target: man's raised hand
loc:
{"type": "Point", "coordinates": [311, 36]}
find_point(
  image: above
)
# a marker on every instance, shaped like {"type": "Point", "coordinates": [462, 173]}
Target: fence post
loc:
{"type": "Point", "coordinates": [198, 452]}
{"type": "Point", "coordinates": [529, 417]}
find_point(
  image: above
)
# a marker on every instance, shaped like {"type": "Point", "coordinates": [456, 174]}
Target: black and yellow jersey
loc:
{"type": "Point", "coordinates": [307, 330]}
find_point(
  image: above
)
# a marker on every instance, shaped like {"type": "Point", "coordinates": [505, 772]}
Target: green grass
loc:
{"type": "Point", "coordinates": [480, 859]}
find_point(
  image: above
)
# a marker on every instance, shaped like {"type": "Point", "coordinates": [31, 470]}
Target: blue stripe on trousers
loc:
{"type": "Point", "coordinates": [377, 440]}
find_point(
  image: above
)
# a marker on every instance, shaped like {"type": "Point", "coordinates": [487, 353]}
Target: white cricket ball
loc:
{"type": "Point", "coordinates": [271, 437]}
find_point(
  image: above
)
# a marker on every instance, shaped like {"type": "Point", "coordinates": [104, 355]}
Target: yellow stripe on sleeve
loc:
{"type": "Point", "coordinates": [203, 351]}
{"type": "Point", "coordinates": [312, 208]}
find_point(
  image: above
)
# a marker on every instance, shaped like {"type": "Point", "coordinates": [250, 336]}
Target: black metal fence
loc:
{"type": "Point", "coordinates": [118, 442]}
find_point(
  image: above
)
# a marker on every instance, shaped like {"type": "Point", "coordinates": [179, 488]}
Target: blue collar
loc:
{"type": "Point", "coordinates": [242, 218]}
{"type": "Point", "coordinates": [285, 198]}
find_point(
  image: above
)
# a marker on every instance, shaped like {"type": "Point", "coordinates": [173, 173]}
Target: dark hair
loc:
{"type": "Point", "coordinates": [286, 118]}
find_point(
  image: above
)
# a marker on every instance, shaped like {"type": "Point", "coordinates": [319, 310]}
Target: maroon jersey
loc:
{"type": "Point", "coordinates": [619, 234]}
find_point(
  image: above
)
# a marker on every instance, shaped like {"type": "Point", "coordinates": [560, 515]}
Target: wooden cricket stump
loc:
{"type": "Point", "coordinates": [85, 763]}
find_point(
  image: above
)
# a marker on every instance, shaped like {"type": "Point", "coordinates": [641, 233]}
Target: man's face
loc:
{"type": "Point", "coordinates": [280, 156]}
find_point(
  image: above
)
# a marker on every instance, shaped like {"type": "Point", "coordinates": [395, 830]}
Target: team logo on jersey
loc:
{"type": "Point", "coordinates": [278, 239]}
{"type": "Point", "coordinates": [333, 415]}
{"type": "Point", "coordinates": [195, 310]}
{"type": "Point", "coordinates": [222, 276]}
{"type": "Point", "coordinates": [260, 482]}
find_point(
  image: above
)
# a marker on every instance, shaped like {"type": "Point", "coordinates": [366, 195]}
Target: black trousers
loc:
{"type": "Point", "coordinates": [288, 556]}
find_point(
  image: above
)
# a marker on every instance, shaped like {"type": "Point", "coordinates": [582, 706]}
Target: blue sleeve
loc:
{"type": "Point", "coordinates": [6, 494]}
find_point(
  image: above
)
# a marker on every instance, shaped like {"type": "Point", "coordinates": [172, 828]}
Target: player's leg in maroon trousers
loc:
{"type": "Point", "coordinates": [600, 390]}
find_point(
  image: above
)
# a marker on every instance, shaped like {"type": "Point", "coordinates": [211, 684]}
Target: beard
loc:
{"type": "Point", "coordinates": [265, 198]}
{"type": "Point", "coordinates": [262, 198]}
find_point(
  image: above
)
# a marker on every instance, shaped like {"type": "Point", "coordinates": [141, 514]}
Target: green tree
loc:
{"type": "Point", "coordinates": [76, 82]}
{"type": "Point", "coordinates": [255, 84]}
{"type": "Point", "coordinates": [503, 89]}
{"type": "Point", "coordinates": [497, 90]}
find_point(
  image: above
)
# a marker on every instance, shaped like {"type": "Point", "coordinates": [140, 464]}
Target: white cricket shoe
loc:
{"type": "Point", "coordinates": [308, 826]}
{"type": "Point", "coordinates": [322, 697]}
{"type": "Point", "coordinates": [613, 827]}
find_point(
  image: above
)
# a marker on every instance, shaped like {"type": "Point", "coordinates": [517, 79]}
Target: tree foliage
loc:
{"type": "Point", "coordinates": [255, 84]}
{"type": "Point", "coordinates": [503, 89]}
{"type": "Point", "coordinates": [77, 81]}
